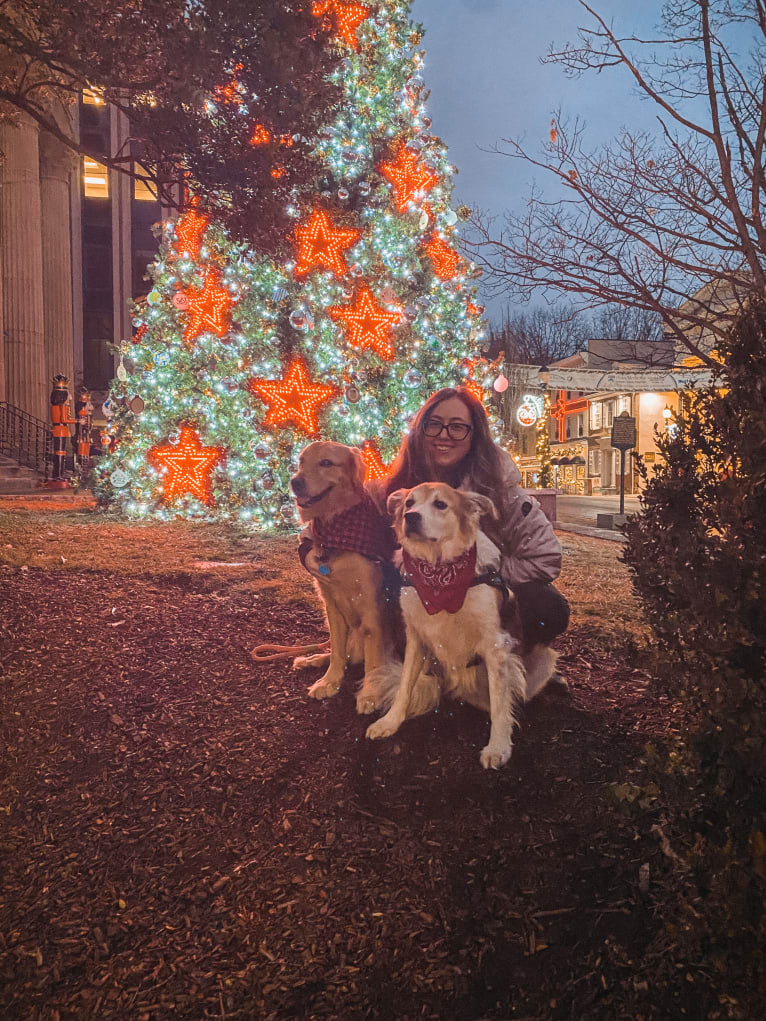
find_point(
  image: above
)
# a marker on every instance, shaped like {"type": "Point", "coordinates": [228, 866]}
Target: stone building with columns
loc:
{"type": "Point", "coordinates": [75, 240]}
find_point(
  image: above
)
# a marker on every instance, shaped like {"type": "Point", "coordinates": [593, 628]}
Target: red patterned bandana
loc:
{"type": "Point", "coordinates": [441, 586]}
{"type": "Point", "coordinates": [360, 529]}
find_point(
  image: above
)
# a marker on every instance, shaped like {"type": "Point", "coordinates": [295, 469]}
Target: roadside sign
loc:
{"type": "Point", "coordinates": [624, 432]}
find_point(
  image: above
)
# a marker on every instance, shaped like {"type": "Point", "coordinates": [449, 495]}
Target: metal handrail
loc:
{"type": "Point", "coordinates": [25, 438]}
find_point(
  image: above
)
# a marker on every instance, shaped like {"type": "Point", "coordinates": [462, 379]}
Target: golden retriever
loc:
{"type": "Point", "coordinates": [349, 542]}
{"type": "Point", "coordinates": [438, 526]}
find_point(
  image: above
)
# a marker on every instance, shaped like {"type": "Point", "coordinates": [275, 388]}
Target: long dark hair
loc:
{"type": "Point", "coordinates": [411, 466]}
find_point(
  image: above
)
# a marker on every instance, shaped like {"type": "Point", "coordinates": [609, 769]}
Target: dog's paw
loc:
{"type": "Point", "coordinates": [319, 659]}
{"type": "Point", "coordinates": [493, 757]}
{"type": "Point", "coordinates": [384, 727]}
{"type": "Point", "coordinates": [323, 689]}
{"type": "Point", "coordinates": [365, 703]}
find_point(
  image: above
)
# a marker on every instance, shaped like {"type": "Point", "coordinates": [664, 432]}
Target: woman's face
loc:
{"type": "Point", "coordinates": [444, 451]}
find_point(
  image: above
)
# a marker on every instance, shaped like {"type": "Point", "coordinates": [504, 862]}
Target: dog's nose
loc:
{"type": "Point", "coordinates": [298, 485]}
{"type": "Point", "coordinates": [412, 520]}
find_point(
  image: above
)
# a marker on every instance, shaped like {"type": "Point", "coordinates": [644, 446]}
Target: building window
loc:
{"type": "Point", "coordinates": [92, 97]}
{"type": "Point", "coordinates": [95, 179]}
{"type": "Point", "coordinates": [607, 479]}
{"type": "Point", "coordinates": [581, 425]}
{"type": "Point", "coordinates": [623, 404]}
{"type": "Point", "coordinates": [143, 191]}
{"type": "Point", "coordinates": [596, 416]}
{"type": "Point", "coordinates": [595, 462]}
{"type": "Point", "coordinates": [609, 408]}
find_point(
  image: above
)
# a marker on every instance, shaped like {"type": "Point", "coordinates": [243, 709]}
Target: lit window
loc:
{"type": "Point", "coordinates": [596, 416]}
{"type": "Point", "coordinates": [95, 179]}
{"type": "Point", "coordinates": [143, 191]}
{"type": "Point", "coordinates": [92, 97]}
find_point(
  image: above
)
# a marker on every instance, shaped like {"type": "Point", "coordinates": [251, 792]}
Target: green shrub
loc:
{"type": "Point", "coordinates": [697, 553]}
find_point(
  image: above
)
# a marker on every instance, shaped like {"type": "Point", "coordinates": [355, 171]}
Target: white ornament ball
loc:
{"type": "Point", "coordinates": [119, 478]}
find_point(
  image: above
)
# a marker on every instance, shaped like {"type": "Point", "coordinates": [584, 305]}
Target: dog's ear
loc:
{"type": "Point", "coordinates": [358, 469]}
{"type": "Point", "coordinates": [395, 502]}
{"type": "Point", "coordinates": [481, 505]}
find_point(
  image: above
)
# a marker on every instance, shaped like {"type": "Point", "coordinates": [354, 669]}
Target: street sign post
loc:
{"type": "Point", "coordinates": [623, 438]}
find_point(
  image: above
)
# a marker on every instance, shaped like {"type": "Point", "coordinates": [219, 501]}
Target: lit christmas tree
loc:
{"type": "Point", "coordinates": [237, 362]}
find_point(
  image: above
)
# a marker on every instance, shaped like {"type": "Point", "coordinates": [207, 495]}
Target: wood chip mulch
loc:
{"type": "Point", "coordinates": [183, 834]}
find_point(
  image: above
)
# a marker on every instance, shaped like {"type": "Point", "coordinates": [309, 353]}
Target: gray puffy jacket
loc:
{"type": "Point", "coordinates": [528, 545]}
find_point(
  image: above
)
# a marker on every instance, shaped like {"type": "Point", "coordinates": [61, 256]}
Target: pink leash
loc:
{"type": "Point", "coordinates": [272, 653]}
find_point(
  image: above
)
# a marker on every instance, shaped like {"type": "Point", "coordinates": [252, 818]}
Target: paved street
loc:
{"type": "Point", "coordinates": [582, 510]}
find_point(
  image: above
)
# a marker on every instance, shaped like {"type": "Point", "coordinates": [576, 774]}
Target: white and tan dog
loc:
{"type": "Point", "coordinates": [438, 528]}
{"type": "Point", "coordinates": [348, 543]}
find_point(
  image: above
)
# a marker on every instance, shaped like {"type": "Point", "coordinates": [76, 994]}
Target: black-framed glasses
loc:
{"type": "Point", "coordinates": [455, 430]}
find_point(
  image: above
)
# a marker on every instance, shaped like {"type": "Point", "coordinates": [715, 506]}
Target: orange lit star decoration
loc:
{"type": "Point", "coordinates": [295, 398]}
{"type": "Point", "coordinates": [445, 259]}
{"type": "Point", "coordinates": [367, 323]}
{"type": "Point", "coordinates": [475, 390]}
{"type": "Point", "coordinates": [373, 462]}
{"type": "Point", "coordinates": [190, 230]}
{"type": "Point", "coordinates": [320, 245]}
{"type": "Point", "coordinates": [348, 17]}
{"type": "Point", "coordinates": [260, 136]}
{"type": "Point", "coordinates": [409, 177]}
{"type": "Point", "coordinates": [472, 385]}
{"type": "Point", "coordinates": [187, 466]}
{"type": "Point", "coordinates": [208, 309]}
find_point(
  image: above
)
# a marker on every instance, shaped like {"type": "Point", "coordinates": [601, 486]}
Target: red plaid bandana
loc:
{"type": "Point", "coordinates": [360, 529]}
{"type": "Point", "coordinates": [441, 586]}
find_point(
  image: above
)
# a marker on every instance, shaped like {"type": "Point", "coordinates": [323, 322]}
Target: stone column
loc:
{"type": "Point", "coordinates": [57, 164]}
{"type": "Point", "coordinates": [22, 268]}
{"type": "Point", "coordinates": [121, 190]}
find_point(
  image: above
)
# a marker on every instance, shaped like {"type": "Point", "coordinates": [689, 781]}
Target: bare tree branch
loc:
{"type": "Point", "coordinates": [670, 224]}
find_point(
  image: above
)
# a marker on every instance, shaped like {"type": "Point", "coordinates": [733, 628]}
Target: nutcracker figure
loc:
{"type": "Point", "coordinates": [83, 417]}
{"type": "Point", "coordinates": [60, 426]}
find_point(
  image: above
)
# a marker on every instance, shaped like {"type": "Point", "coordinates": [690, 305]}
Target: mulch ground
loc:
{"type": "Point", "coordinates": [183, 834]}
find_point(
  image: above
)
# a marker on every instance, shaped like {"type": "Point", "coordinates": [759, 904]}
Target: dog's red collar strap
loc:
{"type": "Point", "coordinates": [443, 585]}
{"type": "Point", "coordinates": [360, 529]}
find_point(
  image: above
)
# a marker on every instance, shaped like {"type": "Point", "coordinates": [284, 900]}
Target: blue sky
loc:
{"type": "Point", "coordinates": [487, 83]}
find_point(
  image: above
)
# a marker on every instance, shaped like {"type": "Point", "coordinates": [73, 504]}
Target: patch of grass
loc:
{"type": "Point", "coordinates": [76, 540]}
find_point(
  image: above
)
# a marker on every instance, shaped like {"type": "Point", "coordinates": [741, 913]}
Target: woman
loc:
{"type": "Point", "coordinates": [450, 442]}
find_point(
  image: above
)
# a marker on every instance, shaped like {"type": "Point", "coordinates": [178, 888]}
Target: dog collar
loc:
{"type": "Point", "coordinates": [441, 586]}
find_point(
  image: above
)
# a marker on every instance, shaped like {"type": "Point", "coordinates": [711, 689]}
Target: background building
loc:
{"type": "Point", "coordinates": [75, 240]}
{"type": "Point", "coordinates": [580, 422]}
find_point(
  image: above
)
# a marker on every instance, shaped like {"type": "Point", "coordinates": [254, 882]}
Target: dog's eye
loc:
{"type": "Point", "coordinates": [409, 503]}
{"type": "Point", "coordinates": [440, 505]}
{"type": "Point", "coordinates": [325, 463]}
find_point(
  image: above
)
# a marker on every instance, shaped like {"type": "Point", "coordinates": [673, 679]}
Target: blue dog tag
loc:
{"type": "Point", "coordinates": [324, 569]}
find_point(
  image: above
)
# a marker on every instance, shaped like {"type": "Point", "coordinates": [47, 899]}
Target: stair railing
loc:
{"type": "Point", "coordinates": [25, 438]}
